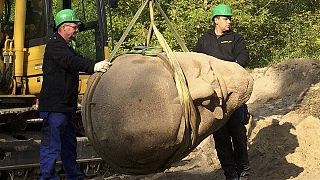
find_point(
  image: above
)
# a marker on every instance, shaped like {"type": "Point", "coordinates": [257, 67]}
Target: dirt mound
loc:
{"type": "Point", "coordinates": [284, 133]}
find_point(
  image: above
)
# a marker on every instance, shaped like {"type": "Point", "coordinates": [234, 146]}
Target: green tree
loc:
{"type": "Point", "coordinates": [275, 30]}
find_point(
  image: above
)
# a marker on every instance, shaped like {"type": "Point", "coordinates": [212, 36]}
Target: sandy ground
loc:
{"type": "Point", "coordinates": [283, 134]}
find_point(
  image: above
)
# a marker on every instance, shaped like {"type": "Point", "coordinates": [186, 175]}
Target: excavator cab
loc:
{"type": "Point", "coordinates": [25, 27]}
{"type": "Point", "coordinates": [23, 38]}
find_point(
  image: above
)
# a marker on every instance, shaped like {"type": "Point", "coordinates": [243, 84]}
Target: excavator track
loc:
{"type": "Point", "coordinates": [20, 142]}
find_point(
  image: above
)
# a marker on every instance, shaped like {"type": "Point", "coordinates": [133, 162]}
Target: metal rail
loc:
{"type": "Point", "coordinates": [34, 165]}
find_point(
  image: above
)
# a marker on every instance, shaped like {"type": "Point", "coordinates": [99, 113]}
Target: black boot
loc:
{"type": "Point", "coordinates": [244, 175]}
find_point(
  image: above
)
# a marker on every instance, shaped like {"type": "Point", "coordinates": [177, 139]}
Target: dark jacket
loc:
{"type": "Point", "coordinates": [229, 47]}
{"type": "Point", "coordinates": [61, 66]}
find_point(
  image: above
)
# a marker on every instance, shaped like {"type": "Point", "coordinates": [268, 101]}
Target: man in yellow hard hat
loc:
{"type": "Point", "coordinates": [231, 139]}
{"type": "Point", "coordinates": [59, 95]}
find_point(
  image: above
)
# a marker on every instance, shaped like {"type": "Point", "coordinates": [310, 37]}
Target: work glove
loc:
{"type": "Point", "coordinates": [102, 66]}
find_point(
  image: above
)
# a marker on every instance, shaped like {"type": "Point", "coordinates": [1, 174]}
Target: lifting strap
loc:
{"type": "Point", "coordinates": [178, 75]}
{"type": "Point", "coordinates": [172, 29]}
{"type": "Point", "coordinates": [189, 112]}
{"type": "Point", "coordinates": [170, 58]}
{"type": "Point", "coordinates": [133, 21]}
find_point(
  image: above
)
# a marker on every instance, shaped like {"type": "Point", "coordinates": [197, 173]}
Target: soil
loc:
{"type": "Point", "coordinates": [283, 133]}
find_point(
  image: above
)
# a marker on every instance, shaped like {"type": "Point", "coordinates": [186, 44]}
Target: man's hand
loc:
{"type": "Point", "coordinates": [102, 66]}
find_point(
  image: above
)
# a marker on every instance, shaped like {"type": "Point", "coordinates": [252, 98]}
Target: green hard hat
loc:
{"type": "Point", "coordinates": [65, 15]}
{"type": "Point", "coordinates": [221, 10]}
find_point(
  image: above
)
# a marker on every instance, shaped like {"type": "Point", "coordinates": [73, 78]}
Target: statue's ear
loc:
{"type": "Point", "coordinates": [204, 84]}
{"type": "Point", "coordinates": [200, 89]}
{"type": "Point", "coordinates": [208, 95]}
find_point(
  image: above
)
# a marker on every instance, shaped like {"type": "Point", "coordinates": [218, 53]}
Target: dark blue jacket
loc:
{"type": "Point", "coordinates": [61, 66]}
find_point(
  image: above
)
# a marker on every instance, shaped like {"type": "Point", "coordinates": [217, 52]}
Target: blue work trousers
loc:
{"type": "Point", "coordinates": [58, 139]}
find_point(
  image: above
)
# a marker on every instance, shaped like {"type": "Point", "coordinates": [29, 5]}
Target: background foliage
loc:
{"type": "Point", "coordinates": [275, 30]}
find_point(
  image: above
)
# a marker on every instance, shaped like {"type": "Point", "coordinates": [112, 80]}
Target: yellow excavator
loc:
{"type": "Point", "coordinates": [25, 26]}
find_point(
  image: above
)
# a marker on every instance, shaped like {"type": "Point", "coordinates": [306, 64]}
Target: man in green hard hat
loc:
{"type": "Point", "coordinates": [59, 95]}
{"type": "Point", "coordinates": [230, 140]}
